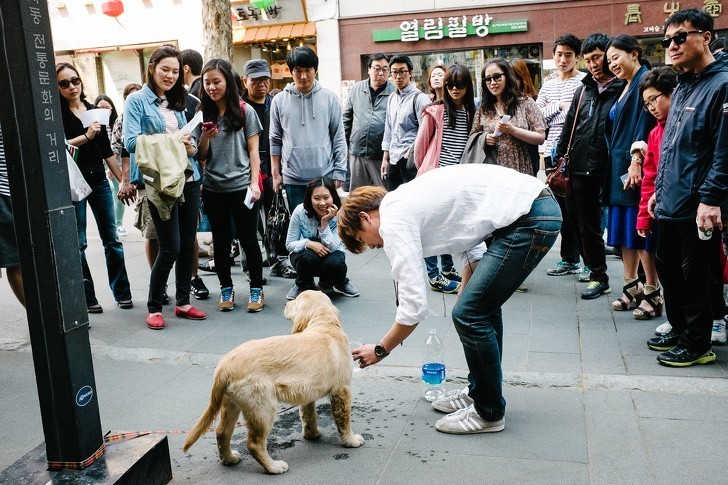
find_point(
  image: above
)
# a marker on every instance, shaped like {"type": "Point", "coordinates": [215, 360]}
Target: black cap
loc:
{"type": "Point", "coordinates": [256, 68]}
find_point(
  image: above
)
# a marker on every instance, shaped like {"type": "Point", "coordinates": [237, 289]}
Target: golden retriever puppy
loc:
{"type": "Point", "coordinates": [313, 362]}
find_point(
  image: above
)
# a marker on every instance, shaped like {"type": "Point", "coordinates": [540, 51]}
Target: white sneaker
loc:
{"type": "Point", "coordinates": [468, 421]}
{"type": "Point", "coordinates": [718, 335]}
{"type": "Point", "coordinates": [663, 329]}
{"type": "Point", "coordinates": [453, 401]}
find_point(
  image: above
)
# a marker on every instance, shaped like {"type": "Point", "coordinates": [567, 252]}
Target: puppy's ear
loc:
{"type": "Point", "coordinates": [300, 323]}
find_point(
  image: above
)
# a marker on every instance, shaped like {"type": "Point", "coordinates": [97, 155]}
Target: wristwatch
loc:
{"type": "Point", "coordinates": [380, 351]}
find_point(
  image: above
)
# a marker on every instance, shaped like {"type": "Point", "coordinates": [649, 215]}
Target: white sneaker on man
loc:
{"type": "Point", "coordinates": [453, 401]}
{"type": "Point", "coordinates": [468, 421]}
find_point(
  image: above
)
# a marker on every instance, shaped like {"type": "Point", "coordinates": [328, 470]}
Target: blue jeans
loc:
{"type": "Point", "coordinates": [102, 206]}
{"type": "Point", "coordinates": [294, 194]}
{"type": "Point", "coordinates": [513, 253]}
{"type": "Point", "coordinates": [431, 264]}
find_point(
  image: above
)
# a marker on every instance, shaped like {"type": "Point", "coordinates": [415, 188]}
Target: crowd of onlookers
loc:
{"type": "Point", "coordinates": [646, 150]}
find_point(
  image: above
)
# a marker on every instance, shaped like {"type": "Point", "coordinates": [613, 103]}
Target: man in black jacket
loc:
{"type": "Point", "coordinates": [589, 157]}
{"type": "Point", "coordinates": [691, 191]}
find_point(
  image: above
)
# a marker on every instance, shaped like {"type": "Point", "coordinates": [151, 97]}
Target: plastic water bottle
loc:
{"type": "Point", "coordinates": [433, 367]}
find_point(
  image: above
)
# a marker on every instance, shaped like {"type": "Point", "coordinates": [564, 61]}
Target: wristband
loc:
{"type": "Point", "coordinates": [86, 136]}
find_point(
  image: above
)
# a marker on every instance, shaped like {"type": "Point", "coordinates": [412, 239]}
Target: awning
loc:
{"type": "Point", "coordinates": [274, 32]}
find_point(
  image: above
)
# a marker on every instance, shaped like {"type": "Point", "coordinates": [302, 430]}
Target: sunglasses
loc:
{"type": "Point", "coordinates": [680, 38]}
{"type": "Point", "coordinates": [455, 85]}
{"type": "Point", "coordinates": [65, 83]}
{"type": "Point", "coordinates": [495, 78]}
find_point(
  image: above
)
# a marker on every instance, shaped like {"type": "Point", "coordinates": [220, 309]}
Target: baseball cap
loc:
{"type": "Point", "coordinates": [256, 68]}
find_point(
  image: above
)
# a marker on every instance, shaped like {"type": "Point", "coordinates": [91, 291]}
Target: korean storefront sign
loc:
{"type": "Point", "coordinates": [633, 13]}
{"type": "Point", "coordinates": [450, 28]}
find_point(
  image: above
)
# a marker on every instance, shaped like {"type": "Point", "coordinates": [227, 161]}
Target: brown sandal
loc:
{"type": "Point", "coordinates": [654, 299]}
{"type": "Point", "coordinates": [633, 292]}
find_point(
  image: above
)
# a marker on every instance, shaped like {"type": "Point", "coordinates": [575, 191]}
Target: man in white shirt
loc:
{"type": "Point", "coordinates": [518, 218]}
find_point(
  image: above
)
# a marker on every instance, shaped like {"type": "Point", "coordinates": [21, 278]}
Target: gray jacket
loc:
{"type": "Point", "coordinates": [364, 120]}
{"type": "Point", "coordinates": [306, 131]}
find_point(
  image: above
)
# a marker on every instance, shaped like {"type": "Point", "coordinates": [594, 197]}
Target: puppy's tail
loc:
{"type": "Point", "coordinates": [205, 421]}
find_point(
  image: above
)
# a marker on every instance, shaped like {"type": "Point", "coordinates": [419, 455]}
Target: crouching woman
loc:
{"type": "Point", "coordinates": [314, 244]}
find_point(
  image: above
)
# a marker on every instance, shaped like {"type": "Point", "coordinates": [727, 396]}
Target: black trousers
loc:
{"type": "Point", "coordinates": [220, 208]}
{"type": "Point", "coordinates": [398, 174]}
{"type": "Point", "coordinates": [569, 240]}
{"type": "Point", "coordinates": [584, 210]}
{"type": "Point", "coordinates": [331, 269]}
{"type": "Point", "coordinates": [176, 237]}
{"type": "Point", "coordinates": [692, 280]}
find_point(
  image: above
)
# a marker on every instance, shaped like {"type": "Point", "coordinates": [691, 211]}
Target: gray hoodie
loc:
{"type": "Point", "coordinates": [307, 132]}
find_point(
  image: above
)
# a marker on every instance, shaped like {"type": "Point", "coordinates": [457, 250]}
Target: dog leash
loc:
{"type": "Point", "coordinates": [130, 435]}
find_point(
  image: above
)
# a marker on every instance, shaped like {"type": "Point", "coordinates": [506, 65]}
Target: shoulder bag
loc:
{"type": "Point", "coordinates": [559, 180]}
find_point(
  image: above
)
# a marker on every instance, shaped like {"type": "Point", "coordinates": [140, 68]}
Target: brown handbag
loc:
{"type": "Point", "coordinates": [559, 180]}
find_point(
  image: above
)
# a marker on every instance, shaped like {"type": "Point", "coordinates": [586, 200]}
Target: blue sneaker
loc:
{"type": "Point", "coordinates": [453, 275]}
{"type": "Point", "coordinates": [444, 285]}
{"type": "Point", "coordinates": [227, 299]}
{"type": "Point", "coordinates": [255, 303]}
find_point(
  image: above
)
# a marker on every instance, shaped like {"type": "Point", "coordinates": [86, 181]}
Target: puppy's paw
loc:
{"type": "Point", "coordinates": [231, 460]}
{"type": "Point", "coordinates": [353, 441]}
{"type": "Point", "coordinates": [277, 467]}
{"type": "Point", "coordinates": [312, 434]}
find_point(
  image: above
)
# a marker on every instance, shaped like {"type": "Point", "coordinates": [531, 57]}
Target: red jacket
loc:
{"type": "Point", "coordinates": [428, 144]}
{"type": "Point", "coordinates": [649, 173]}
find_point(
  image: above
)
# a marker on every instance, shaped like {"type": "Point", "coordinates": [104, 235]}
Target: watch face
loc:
{"type": "Point", "coordinates": [379, 351]}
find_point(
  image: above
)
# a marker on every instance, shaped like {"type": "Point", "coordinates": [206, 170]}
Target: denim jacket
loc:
{"type": "Point", "coordinates": [303, 229]}
{"type": "Point", "coordinates": [142, 117]}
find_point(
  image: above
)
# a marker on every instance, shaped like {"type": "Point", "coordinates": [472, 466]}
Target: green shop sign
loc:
{"type": "Point", "coordinates": [451, 28]}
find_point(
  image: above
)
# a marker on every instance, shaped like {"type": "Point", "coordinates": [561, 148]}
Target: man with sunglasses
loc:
{"type": "Point", "coordinates": [364, 115]}
{"type": "Point", "coordinates": [691, 192]}
{"type": "Point", "coordinates": [404, 114]}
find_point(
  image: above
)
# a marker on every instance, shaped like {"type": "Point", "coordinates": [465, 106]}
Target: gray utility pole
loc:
{"type": "Point", "coordinates": [45, 225]}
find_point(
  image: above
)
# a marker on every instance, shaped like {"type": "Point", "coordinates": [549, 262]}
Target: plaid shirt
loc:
{"type": "Point", "coordinates": [117, 136]}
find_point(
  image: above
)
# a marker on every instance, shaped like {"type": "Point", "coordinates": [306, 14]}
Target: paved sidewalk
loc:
{"type": "Point", "coordinates": [587, 401]}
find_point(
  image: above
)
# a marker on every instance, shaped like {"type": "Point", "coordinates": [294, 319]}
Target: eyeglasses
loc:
{"type": "Point", "coordinates": [680, 38]}
{"type": "Point", "coordinates": [401, 73]}
{"type": "Point", "coordinates": [495, 78]}
{"type": "Point", "coordinates": [259, 80]}
{"type": "Point", "coordinates": [651, 102]}
{"type": "Point", "coordinates": [380, 70]}
{"type": "Point", "coordinates": [65, 83]}
{"type": "Point", "coordinates": [455, 84]}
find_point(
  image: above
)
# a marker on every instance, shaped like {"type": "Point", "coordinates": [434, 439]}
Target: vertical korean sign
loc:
{"type": "Point", "coordinates": [45, 224]}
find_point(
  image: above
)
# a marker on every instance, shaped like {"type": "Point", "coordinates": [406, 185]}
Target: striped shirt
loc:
{"type": "Point", "coordinates": [170, 118]}
{"type": "Point", "coordinates": [454, 139]}
{"type": "Point", "coordinates": [4, 183]}
{"type": "Point", "coordinates": [552, 94]}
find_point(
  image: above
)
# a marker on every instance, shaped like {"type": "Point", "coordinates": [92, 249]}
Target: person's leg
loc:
{"type": "Point", "coordinates": [294, 194]}
{"type": "Point", "coordinates": [373, 173]}
{"type": "Point", "coordinates": [569, 245]}
{"type": "Point", "coordinates": [119, 207]}
{"type": "Point", "coordinates": [88, 281]}
{"type": "Point", "coordinates": [218, 214]}
{"type": "Point", "coordinates": [307, 265]}
{"type": "Point", "coordinates": [633, 289]}
{"type": "Point", "coordinates": [668, 263]}
{"type": "Point", "coordinates": [431, 265]}
{"type": "Point", "coordinates": [512, 255]}
{"type": "Point", "coordinates": [188, 215]}
{"type": "Point", "coordinates": [333, 270]}
{"type": "Point", "coordinates": [394, 177]}
{"type": "Point", "coordinates": [587, 219]}
{"type": "Point", "coordinates": [151, 248]}
{"type": "Point", "coordinates": [15, 280]}
{"type": "Point", "coordinates": [246, 222]}
{"type": "Point", "coordinates": [168, 239]}
{"type": "Point", "coordinates": [446, 263]}
{"type": "Point", "coordinates": [102, 206]}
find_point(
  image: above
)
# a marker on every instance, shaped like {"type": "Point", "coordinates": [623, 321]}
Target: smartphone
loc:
{"type": "Point", "coordinates": [504, 119]}
{"type": "Point", "coordinates": [624, 178]}
{"type": "Point", "coordinates": [208, 125]}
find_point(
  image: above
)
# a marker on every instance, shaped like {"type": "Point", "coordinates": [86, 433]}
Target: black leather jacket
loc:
{"type": "Point", "coordinates": [589, 153]}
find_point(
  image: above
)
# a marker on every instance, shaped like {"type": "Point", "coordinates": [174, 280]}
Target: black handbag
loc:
{"type": "Point", "coordinates": [276, 224]}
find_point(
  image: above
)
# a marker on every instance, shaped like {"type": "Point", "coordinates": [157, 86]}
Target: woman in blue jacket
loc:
{"type": "Point", "coordinates": [159, 108]}
{"type": "Point", "coordinates": [314, 243]}
{"type": "Point", "coordinates": [629, 123]}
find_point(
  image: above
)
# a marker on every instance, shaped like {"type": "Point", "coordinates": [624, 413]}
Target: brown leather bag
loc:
{"type": "Point", "coordinates": [559, 180]}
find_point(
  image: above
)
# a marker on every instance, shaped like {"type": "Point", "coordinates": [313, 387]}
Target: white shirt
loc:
{"type": "Point", "coordinates": [447, 211]}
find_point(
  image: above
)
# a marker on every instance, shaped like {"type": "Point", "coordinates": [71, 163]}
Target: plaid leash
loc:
{"type": "Point", "coordinates": [130, 435]}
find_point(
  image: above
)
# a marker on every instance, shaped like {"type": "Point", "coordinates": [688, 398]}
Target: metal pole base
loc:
{"type": "Point", "coordinates": [141, 460]}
